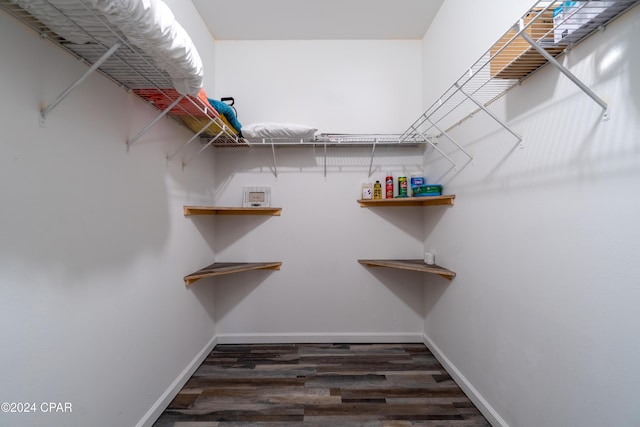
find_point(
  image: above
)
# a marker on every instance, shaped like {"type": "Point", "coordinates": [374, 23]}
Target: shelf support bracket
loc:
{"type": "Point", "coordinates": [275, 165]}
{"type": "Point", "coordinates": [325, 159]}
{"type": "Point", "coordinates": [169, 158]}
{"type": "Point", "coordinates": [569, 74]}
{"type": "Point", "coordinates": [486, 110]}
{"type": "Point", "coordinates": [373, 150]}
{"type": "Point", "coordinates": [412, 132]}
{"type": "Point", "coordinates": [442, 153]}
{"type": "Point", "coordinates": [133, 140]}
{"type": "Point", "coordinates": [451, 139]}
{"type": "Point", "coordinates": [211, 141]}
{"type": "Point", "coordinates": [46, 110]}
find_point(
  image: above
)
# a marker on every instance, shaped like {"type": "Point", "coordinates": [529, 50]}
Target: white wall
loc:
{"type": "Point", "coordinates": [321, 292]}
{"type": "Point", "coordinates": [93, 244]}
{"type": "Point", "coordinates": [542, 317]}
{"type": "Point", "coordinates": [338, 86]}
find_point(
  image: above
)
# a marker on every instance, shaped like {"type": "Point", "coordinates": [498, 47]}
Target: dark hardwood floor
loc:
{"type": "Point", "coordinates": [318, 385]}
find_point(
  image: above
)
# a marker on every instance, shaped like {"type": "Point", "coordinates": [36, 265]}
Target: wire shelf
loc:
{"type": "Point", "coordinates": [95, 41]}
{"type": "Point", "coordinates": [335, 140]}
{"type": "Point", "coordinates": [545, 31]}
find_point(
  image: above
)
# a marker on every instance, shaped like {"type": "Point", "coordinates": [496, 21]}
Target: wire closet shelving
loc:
{"type": "Point", "coordinates": [104, 48]}
{"type": "Point", "coordinates": [545, 31]}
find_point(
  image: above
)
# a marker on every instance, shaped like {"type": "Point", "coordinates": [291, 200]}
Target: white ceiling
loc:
{"type": "Point", "coordinates": [317, 19]}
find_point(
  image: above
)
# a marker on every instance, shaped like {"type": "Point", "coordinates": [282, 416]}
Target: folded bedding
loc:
{"type": "Point", "coordinates": [149, 25]}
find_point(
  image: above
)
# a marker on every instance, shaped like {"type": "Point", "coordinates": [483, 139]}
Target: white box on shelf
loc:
{"type": "Point", "coordinates": [367, 193]}
{"type": "Point", "coordinates": [256, 197]}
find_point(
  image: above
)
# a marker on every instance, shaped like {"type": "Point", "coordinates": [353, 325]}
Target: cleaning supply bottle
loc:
{"type": "Point", "coordinates": [402, 186]}
{"type": "Point", "coordinates": [389, 187]}
{"type": "Point", "coordinates": [377, 191]}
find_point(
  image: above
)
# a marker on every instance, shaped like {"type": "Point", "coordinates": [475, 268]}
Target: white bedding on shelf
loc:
{"type": "Point", "coordinates": [147, 24]}
{"type": "Point", "coordinates": [278, 130]}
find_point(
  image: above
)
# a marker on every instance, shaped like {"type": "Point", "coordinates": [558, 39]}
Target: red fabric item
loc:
{"type": "Point", "coordinates": [197, 107]}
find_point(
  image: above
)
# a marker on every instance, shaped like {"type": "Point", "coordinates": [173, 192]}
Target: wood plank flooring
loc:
{"type": "Point", "coordinates": [321, 385]}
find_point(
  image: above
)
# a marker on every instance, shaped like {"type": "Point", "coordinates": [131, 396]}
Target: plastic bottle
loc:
{"type": "Point", "coordinates": [389, 187]}
{"type": "Point", "coordinates": [402, 186]}
{"type": "Point", "coordinates": [377, 191]}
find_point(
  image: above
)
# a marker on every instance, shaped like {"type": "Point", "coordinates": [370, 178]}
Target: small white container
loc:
{"type": "Point", "coordinates": [429, 258]}
{"type": "Point", "coordinates": [367, 192]}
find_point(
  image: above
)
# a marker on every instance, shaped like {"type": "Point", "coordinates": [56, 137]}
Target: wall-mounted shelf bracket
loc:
{"type": "Point", "coordinates": [446, 135]}
{"type": "Point", "coordinates": [413, 130]}
{"type": "Point", "coordinates": [486, 110]}
{"type": "Point", "coordinates": [569, 74]}
{"type": "Point", "coordinates": [169, 158]}
{"type": "Point", "coordinates": [442, 153]}
{"type": "Point", "coordinates": [325, 160]}
{"type": "Point", "coordinates": [133, 140]}
{"type": "Point", "coordinates": [373, 150]}
{"type": "Point", "coordinates": [204, 147]}
{"type": "Point", "coordinates": [275, 165]}
{"type": "Point", "coordinates": [46, 110]}
{"type": "Point", "coordinates": [413, 133]}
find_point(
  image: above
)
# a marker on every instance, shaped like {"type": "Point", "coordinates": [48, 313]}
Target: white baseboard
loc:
{"type": "Point", "coordinates": [487, 410]}
{"type": "Point", "coordinates": [163, 401]}
{"type": "Point", "coordinates": [319, 338]}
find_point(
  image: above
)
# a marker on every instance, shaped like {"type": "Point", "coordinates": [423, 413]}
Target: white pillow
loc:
{"type": "Point", "coordinates": [278, 130]}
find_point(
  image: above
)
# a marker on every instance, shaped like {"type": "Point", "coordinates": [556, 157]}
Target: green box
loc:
{"type": "Point", "coordinates": [427, 190]}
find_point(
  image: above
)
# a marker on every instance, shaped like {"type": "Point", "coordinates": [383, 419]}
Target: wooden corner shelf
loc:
{"type": "Point", "coordinates": [409, 264]}
{"type": "Point", "coordinates": [221, 210]}
{"type": "Point", "coordinates": [409, 201]}
{"type": "Point", "coordinates": [220, 268]}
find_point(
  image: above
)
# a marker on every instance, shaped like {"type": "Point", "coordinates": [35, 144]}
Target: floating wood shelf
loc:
{"type": "Point", "coordinates": [409, 201]}
{"type": "Point", "coordinates": [218, 210]}
{"type": "Point", "coordinates": [409, 264]}
{"type": "Point", "coordinates": [220, 268]}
